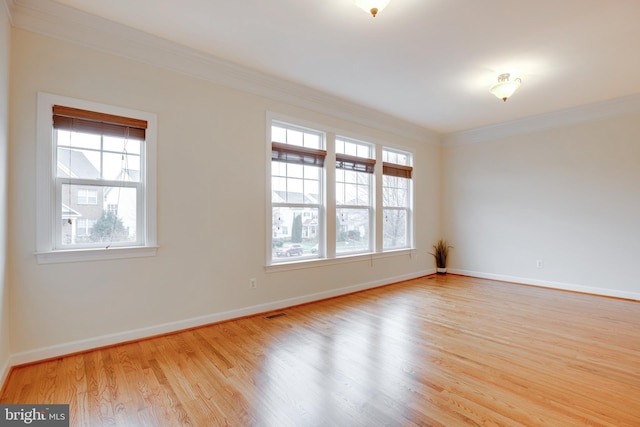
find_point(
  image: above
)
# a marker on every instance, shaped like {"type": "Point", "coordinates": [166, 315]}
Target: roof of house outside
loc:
{"type": "Point", "coordinates": [74, 164]}
{"type": "Point", "coordinates": [294, 197]}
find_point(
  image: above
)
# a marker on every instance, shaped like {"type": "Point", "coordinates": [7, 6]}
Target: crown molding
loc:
{"type": "Point", "coordinates": [570, 116]}
{"type": "Point", "coordinates": [65, 23]}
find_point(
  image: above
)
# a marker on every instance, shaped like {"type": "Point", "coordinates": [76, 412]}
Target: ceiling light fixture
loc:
{"type": "Point", "coordinates": [372, 6]}
{"type": "Point", "coordinates": [505, 87]}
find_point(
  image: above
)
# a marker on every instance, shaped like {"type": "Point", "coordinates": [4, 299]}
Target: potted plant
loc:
{"type": "Point", "coordinates": [440, 253]}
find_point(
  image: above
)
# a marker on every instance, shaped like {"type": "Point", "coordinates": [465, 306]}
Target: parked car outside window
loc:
{"type": "Point", "coordinates": [293, 250]}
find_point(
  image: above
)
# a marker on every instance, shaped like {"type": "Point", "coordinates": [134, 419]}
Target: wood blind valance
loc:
{"type": "Point", "coordinates": [393, 169]}
{"type": "Point", "coordinates": [297, 155]}
{"type": "Point", "coordinates": [77, 120]}
{"type": "Point", "coordinates": [354, 163]}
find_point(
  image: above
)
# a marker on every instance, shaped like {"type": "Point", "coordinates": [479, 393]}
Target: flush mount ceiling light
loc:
{"type": "Point", "coordinates": [505, 87]}
{"type": "Point", "coordinates": [372, 6]}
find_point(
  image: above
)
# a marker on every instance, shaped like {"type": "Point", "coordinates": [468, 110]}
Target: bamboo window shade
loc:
{"type": "Point", "coordinates": [78, 120]}
{"type": "Point", "coordinates": [298, 155]}
{"type": "Point", "coordinates": [400, 171]}
{"type": "Point", "coordinates": [355, 163]}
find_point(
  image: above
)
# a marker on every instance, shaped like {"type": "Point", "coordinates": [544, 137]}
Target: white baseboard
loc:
{"type": "Point", "coordinates": [548, 284]}
{"type": "Point", "coordinates": [136, 334]}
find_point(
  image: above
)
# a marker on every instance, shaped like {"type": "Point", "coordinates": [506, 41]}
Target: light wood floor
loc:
{"type": "Point", "coordinates": [436, 351]}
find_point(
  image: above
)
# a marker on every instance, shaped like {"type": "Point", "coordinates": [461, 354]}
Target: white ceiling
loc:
{"type": "Point", "coordinates": [429, 62]}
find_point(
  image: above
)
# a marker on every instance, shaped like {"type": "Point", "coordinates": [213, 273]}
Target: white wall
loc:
{"type": "Point", "coordinates": [5, 47]}
{"type": "Point", "coordinates": [211, 208]}
{"type": "Point", "coordinates": [569, 196]}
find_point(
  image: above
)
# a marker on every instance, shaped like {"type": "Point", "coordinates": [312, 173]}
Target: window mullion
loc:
{"type": "Point", "coordinates": [378, 203]}
{"type": "Point", "coordinates": [101, 157]}
{"type": "Point", "coordinates": [330, 196]}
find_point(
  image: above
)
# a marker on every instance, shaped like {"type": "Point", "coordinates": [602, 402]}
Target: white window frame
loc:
{"type": "Point", "coordinates": [272, 259]}
{"type": "Point", "coordinates": [46, 204]}
{"type": "Point", "coordinates": [407, 209]}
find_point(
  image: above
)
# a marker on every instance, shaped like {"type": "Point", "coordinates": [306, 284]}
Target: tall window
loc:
{"type": "Point", "coordinates": [92, 161]}
{"type": "Point", "coordinates": [297, 160]}
{"type": "Point", "coordinates": [354, 196]}
{"type": "Point", "coordinates": [396, 199]}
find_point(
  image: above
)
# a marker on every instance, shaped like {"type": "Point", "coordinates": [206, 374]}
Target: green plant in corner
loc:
{"type": "Point", "coordinates": [440, 253]}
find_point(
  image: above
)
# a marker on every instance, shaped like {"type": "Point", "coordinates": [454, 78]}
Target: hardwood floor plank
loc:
{"type": "Point", "coordinates": [435, 351]}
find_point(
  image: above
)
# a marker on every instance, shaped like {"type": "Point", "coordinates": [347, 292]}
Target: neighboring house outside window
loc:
{"type": "Point", "coordinates": [84, 227]}
{"type": "Point", "coordinates": [87, 197]}
{"type": "Point", "coordinates": [102, 194]}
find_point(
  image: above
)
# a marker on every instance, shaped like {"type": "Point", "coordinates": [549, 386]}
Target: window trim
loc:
{"type": "Point", "coordinates": [45, 184]}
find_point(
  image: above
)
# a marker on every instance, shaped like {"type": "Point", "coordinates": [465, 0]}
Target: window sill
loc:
{"type": "Point", "coordinates": [78, 255]}
{"type": "Point", "coordinates": [343, 259]}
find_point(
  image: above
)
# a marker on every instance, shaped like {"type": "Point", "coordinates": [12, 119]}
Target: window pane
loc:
{"type": "Point", "coordinates": [278, 169]}
{"type": "Point", "coordinates": [396, 156]}
{"type": "Point", "coordinates": [312, 190]}
{"type": "Point", "coordinates": [78, 163]}
{"type": "Point", "coordinates": [295, 183]}
{"type": "Point", "coordinates": [294, 232]}
{"type": "Point", "coordinates": [395, 192]}
{"type": "Point", "coordinates": [279, 134]}
{"type": "Point", "coordinates": [364, 151]}
{"type": "Point", "coordinates": [312, 140]}
{"type": "Point", "coordinates": [96, 164]}
{"type": "Point", "coordinates": [394, 229]}
{"type": "Point", "coordinates": [295, 171]}
{"type": "Point", "coordinates": [364, 198]}
{"type": "Point", "coordinates": [350, 194]}
{"type": "Point", "coordinates": [120, 145]}
{"type": "Point", "coordinates": [354, 148]}
{"type": "Point", "coordinates": [294, 137]}
{"type": "Point", "coordinates": [87, 197]}
{"type": "Point", "coordinates": [84, 227]}
{"type": "Point", "coordinates": [351, 176]}
{"type": "Point", "coordinates": [350, 148]}
{"type": "Point", "coordinates": [353, 188]}
{"type": "Point", "coordinates": [279, 186]}
{"type": "Point", "coordinates": [98, 215]}
{"type": "Point", "coordinates": [121, 167]}
{"type": "Point", "coordinates": [312, 172]}
{"type": "Point", "coordinates": [352, 230]}
{"type": "Point", "coordinates": [297, 136]}
{"type": "Point", "coordinates": [67, 139]}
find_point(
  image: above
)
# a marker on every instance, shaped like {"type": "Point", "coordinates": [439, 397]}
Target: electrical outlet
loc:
{"type": "Point", "coordinates": [539, 263]}
{"type": "Point", "coordinates": [253, 283]}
